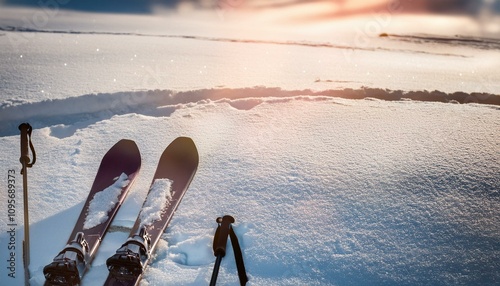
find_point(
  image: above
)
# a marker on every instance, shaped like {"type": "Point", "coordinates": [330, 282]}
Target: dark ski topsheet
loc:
{"type": "Point", "coordinates": [121, 162]}
{"type": "Point", "coordinates": [123, 157]}
{"type": "Point", "coordinates": [178, 163]}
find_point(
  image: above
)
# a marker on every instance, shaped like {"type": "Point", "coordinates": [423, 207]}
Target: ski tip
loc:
{"type": "Point", "coordinates": [184, 145]}
{"type": "Point", "coordinates": [127, 143]}
{"type": "Point", "coordinates": [183, 140]}
{"type": "Point", "coordinates": [126, 147]}
{"type": "Point", "coordinates": [123, 157]}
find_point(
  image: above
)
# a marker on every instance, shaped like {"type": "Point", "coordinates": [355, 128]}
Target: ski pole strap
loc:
{"type": "Point", "coordinates": [238, 256]}
{"type": "Point", "coordinates": [26, 130]}
{"type": "Point", "coordinates": [224, 230]}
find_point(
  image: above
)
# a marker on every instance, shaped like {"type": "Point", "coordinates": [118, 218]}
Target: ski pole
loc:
{"type": "Point", "coordinates": [220, 242]}
{"type": "Point", "coordinates": [26, 162]}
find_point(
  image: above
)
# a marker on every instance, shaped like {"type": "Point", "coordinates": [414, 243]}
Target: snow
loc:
{"type": "Point", "coordinates": [157, 199]}
{"type": "Point", "coordinates": [339, 153]}
{"type": "Point", "coordinates": [104, 201]}
{"type": "Point", "coordinates": [192, 52]}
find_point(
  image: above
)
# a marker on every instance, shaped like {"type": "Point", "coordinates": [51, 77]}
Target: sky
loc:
{"type": "Point", "coordinates": [339, 8]}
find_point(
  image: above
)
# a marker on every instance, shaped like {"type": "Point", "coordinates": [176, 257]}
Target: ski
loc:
{"type": "Point", "coordinates": [176, 169]}
{"type": "Point", "coordinates": [116, 174]}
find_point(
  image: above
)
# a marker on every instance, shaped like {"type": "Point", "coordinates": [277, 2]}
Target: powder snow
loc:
{"type": "Point", "coordinates": [104, 201]}
{"type": "Point", "coordinates": [158, 198]}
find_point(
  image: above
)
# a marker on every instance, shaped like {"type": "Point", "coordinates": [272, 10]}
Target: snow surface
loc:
{"type": "Point", "coordinates": [324, 190]}
{"type": "Point", "coordinates": [157, 199]}
{"type": "Point", "coordinates": [74, 54]}
{"type": "Point", "coordinates": [104, 201]}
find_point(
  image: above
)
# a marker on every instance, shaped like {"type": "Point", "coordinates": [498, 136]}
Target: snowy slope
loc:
{"type": "Point", "coordinates": [324, 190]}
{"type": "Point", "coordinates": [74, 54]}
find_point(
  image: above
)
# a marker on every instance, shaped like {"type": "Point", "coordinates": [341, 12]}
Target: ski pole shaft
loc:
{"type": "Point", "coordinates": [215, 273]}
{"type": "Point", "coordinates": [25, 129]}
{"type": "Point", "coordinates": [26, 241]}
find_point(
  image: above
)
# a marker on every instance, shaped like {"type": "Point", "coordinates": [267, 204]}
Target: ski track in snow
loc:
{"type": "Point", "coordinates": [489, 44]}
{"type": "Point", "coordinates": [65, 116]}
{"type": "Point", "coordinates": [480, 43]}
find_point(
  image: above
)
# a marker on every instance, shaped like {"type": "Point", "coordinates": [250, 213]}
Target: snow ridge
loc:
{"type": "Point", "coordinates": [158, 198]}
{"type": "Point", "coordinates": [228, 40]}
{"type": "Point", "coordinates": [104, 201]}
{"type": "Point", "coordinates": [105, 105]}
{"type": "Point", "coordinates": [475, 42]}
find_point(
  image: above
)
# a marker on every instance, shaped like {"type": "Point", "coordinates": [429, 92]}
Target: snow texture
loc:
{"type": "Point", "coordinates": [337, 144]}
{"type": "Point", "coordinates": [103, 201]}
{"type": "Point", "coordinates": [158, 199]}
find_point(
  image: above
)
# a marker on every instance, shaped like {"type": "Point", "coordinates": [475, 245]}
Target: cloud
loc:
{"type": "Point", "coordinates": [108, 6]}
{"type": "Point", "coordinates": [147, 6]}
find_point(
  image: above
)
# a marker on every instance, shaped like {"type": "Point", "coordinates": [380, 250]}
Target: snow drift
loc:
{"type": "Point", "coordinates": [89, 108]}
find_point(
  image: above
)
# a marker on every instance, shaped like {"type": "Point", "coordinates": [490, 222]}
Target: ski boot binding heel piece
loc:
{"type": "Point", "coordinates": [128, 261]}
{"type": "Point", "coordinates": [70, 264]}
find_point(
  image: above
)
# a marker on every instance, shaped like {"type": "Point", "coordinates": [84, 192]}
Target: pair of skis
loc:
{"type": "Point", "coordinates": [115, 176]}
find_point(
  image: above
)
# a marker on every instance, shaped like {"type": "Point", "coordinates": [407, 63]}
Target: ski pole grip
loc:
{"type": "Point", "coordinates": [220, 241]}
{"type": "Point", "coordinates": [25, 158]}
